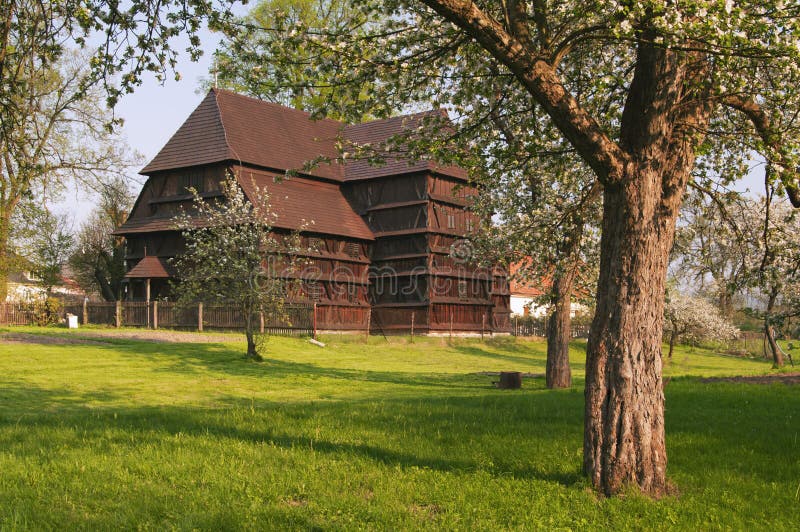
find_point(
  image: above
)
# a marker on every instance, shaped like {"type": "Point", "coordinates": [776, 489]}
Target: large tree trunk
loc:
{"type": "Point", "coordinates": [666, 113]}
{"type": "Point", "coordinates": [559, 331]}
{"type": "Point", "coordinates": [661, 125]}
{"type": "Point", "coordinates": [624, 421]}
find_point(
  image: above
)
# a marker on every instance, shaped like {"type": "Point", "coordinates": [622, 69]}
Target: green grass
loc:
{"type": "Point", "coordinates": [386, 435]}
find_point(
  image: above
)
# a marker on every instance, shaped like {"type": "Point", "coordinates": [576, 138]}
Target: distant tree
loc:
{"type": "Point", "coordinates": [743, 242]}
{"type": "Point", "coordinates": [692, 319]}
{"type": "Point", "coordinates": [53, 86]}
{"type": "Point", "coordinates": [52, 134]}
{"type": "Point", "coordinates": [45, 241]}
{"type": "Point", "coordinates": [238, 63]}
{"type": "Point", "coordinates": [98, 260]}
{"type": "Point", "coordinates": [777, 270]}
{"type": "Point", "coordinates": [551, 233]}
{"type": "Point", "coordinates": [716, 244]}
{"type": "Point", "coordinates": [233, 256]}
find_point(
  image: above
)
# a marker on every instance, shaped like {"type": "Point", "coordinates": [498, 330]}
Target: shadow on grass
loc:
{"type": "Point", "coordinates": [451, 423]}
{"type": "Point", "coordinates": [496, 432]}
{"type": "Point", "coordinates": [719, 429]}
{"type": "Point", "coordinates": [201, 359]}
{"type": "Point", "coordinates": [482, 352]}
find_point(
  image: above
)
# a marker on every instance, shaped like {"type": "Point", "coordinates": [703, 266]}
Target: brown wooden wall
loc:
{"type": "Point", "coordinates": [417, 219]}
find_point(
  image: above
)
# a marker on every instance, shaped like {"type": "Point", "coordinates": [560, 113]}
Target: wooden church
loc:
{"type": "Point", "coordinates": [382, 236]}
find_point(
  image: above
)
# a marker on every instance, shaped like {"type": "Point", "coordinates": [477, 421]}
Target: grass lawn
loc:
{"type": "Point", "coordinates": [386, 435]}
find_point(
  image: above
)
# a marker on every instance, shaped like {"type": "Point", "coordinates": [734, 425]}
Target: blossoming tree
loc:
{"type": "Point", "coordinates": [232, 255]}
{"type": "Point", "coordinates": [669, 84]}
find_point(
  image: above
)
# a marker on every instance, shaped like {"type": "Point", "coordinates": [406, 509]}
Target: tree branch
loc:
{"type": "Point", "coordinates": [517, 16]}
{"type": "Point", "coordinates": [540, 79]}
{"type": "Point", "coordinates": [771, 138]}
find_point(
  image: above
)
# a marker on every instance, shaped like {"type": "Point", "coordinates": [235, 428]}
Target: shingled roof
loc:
{"type": "Point", "coordinates": [231, 127]}
{"type": "Point", "coordinates": [379, 131]}
{"type": "Point", "coordinates": [153, 268]}
{"type": "Point", "coordinates": [299, 203]}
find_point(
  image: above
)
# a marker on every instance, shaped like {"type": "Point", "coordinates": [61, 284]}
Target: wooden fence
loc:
{"type": "Point", "coordinates": [15, 314]}
{"type": "Point", "coordinates": [167, 314]}
{"type": "Point", "coordinates": [539, 328]}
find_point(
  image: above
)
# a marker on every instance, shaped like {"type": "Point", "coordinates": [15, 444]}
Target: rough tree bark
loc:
{"type": "Point", "coordinates": [559, 329]}
{"type": "Point", "coordinates": [624, 421]}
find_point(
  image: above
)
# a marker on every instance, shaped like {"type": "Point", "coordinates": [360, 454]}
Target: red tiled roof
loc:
{"type": "Point", "coordinates": [229, 127]}
{"type": "Point", "coordinates": [146, 225]}
{"type": "Point", "coordinates": [200, 140]}
{"type": "Point", "coordinates": [151, 267]}
{"type": "Point", "coordinates": [519, 286]}
{"type": "Point", "coordinates": [298, 203]}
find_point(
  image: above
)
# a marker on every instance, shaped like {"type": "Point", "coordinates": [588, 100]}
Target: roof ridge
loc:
{"type": "Point", "coordinates": [273, 104]}
{"type": "Point", "coordinates": [224, 129]}
{"type": "Point", "coordinates": [438, 110]}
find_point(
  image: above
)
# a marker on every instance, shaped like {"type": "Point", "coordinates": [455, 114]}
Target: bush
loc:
{"type": "Point", "coordinates": [45, 311]}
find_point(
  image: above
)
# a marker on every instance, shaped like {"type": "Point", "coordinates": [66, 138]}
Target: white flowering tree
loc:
{"type": "Point", "coordinates": [232, 255]}
{"type": "Point", "coordinates": [718, 244]}
{"type": "Point", "coordinates": [645, 93]}
{"type": "Point", "coordinates": [691, 319]}
{"type": "Point", "coordinates": [738, 242]}
{"type": "Point", "coordinates": [776, 272]}
{"type": "Point", "coordinates": [551, 233]}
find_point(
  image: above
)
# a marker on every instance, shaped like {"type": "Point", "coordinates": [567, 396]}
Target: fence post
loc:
{"type": "Point", "coordinates": [483, 324]}
{"type": "Point", "coordinates": [200, 316]}
{"type": "Point", "coordinates": [261, 322]}
{"type": "Point", "coordinates": [85, 310]}
{"type": "Point", "coordinates": [314, 322]}
{"type": "Point", "coordinates": [118, 315]}
{"type": "Point", "coordinates": [412, 327]}
{"type": "Point", "coordinates": [155, 314]}
{"type": "Point", "coordinates": [451, 324]}
{"type": "Point", "coordinates": [369, 323]}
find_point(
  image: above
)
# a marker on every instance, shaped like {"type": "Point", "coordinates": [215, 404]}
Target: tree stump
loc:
{"type": "Point", "coordinates": [510, 380]}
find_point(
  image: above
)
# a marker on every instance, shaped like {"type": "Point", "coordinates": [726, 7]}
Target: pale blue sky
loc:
{"type": "Point", "coordinates": [152, 113]}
